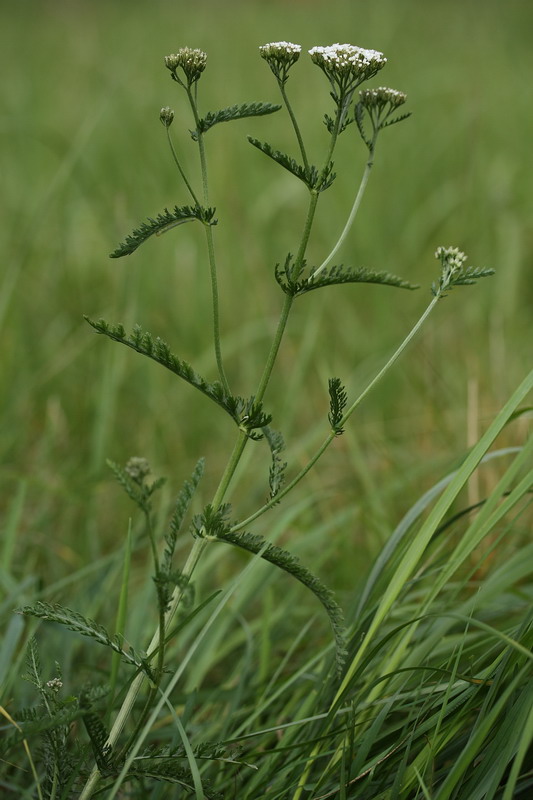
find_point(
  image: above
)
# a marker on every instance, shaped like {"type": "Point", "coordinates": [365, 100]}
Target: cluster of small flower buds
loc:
{"type": "Point", "coordinates": [347, 66]}
{"type": "Point", "coordinates": [166, 115]}
{"type": "Point", "coordinates": [451, 258]}
{"type": "Point", "coordinates": [280, 56]}
{"type": "Point", "coordinates": [137, 468]}
{"type": "Point", "coordinates": [381, 97]}
{"type": "Point", "coordinates": [191, 61]}
{"type": "Point", "coordinates": [55, 684]}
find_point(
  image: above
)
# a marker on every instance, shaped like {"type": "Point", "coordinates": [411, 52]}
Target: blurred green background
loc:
{"type": "Point", "coordinates": [84, 160]}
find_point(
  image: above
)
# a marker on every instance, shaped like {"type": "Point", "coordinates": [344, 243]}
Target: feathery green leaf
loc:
{"type": "Point", "coordinates": [233, 112]}
{"type": "Point", "coordinates": [340, 274]}
{"type": "Point", "coordinates": [86, 627]}
{"type": "Point", "coordinates": [313, 179]}
{"type": "Point", "coordinates": [248, 414]}
{"type": "Point", "coordinates": [276, 475]}
{"type": "Point", "coordinates": [161, 224]}
{"type": "Point", "coordinates": [337, 403]}
{"type": "Point", "coordinates": [213, 524]}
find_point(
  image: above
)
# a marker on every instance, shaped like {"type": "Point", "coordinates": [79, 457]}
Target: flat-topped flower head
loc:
{"type": "Point", "coordinates": [347, 65]}
{"type": "Point", "coordinates": [280, 56]}
{"type": "Point", "coordinates": [381, 97]}
{"type": "Point", "coordinates": [192, 62]}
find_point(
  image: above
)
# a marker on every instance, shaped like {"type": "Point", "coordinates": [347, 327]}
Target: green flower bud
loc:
{"type": "Point", "coordinates": [137, 468]}
{"type": "Point", "coordinates": [166, 115]}
{"type": "Point", "coordinates": [191, 61]}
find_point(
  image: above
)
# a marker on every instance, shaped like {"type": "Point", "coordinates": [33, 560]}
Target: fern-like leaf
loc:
{"type": "Point", "coordinates": [161, 224]}
{"type": "Point", "coordinates": [313, 179]}
{"type": "Point", "coordinates": [213, 524]}
{"type": "Point", "coordinates": [85, 627]}
{"type": "Point", "coordinates": [33, 672]}
{"type": "Point", "coordinates": [284, 275]}
{"type": "Point", "coordinates": [245, 412]}
{"type": "Point", "coordinates": [286, 561]}
{"type": "Point", "coordinates": [337, 403]}
{"type": "Point", "coordinates": [181, 507]}
{"type": "Point", "coordinates": [276, 475]}
{"type": "Point", "coordinates": [340, 274]}
{"type": "Point", "coordinates": [464, 277]}
{"type": "Point", "coordinates": [98, 735]}
{"type": "Point", "coordinates": [233, 112]}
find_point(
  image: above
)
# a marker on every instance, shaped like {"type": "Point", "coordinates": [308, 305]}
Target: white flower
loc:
{"type": "Point", "coordinates": [347, 66]}
{"type": "Point", "coordinates": [280, 56]}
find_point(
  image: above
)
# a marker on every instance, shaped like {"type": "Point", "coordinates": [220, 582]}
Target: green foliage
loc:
{"type": "Point", "coordinates": [85, 627]}
{"type": "Point", "coordinates": [213, 524]}
{"type": "Point", "coordinates": [138, 491]}
{"type": "Point", "coordinates": [231, 113]}
{"type": "Point", "coordinates": [337, 403]}
{"type": "Point", "coordinates": [294, 287]}
{"type": "Point", "coordinates": [316, 180]}
{"type": "Point", "coordinates": [161, 224]}
{"type": "Point", "coordinates": [437, 692]}
{"type": "Point", "coordinates": [466, 276]}
{"type": "Point", "coordinates": [246, 413]}
{"type": "Point", "coordinates": [276, 475]}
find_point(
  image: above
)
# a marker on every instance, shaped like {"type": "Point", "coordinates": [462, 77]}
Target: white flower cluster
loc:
{"type": "Point", "coordinates": [192, 61]}
{"type": "Point", "coordinates": [55, 684]}
{"type": "Point", "coordinates": [451, 257]}
{"type": "Point", "coordinates": [280, 49]}
{"type": "Point", "coordinates": [280, 56]}
{"type": "Point", "coordinates": [372, 98]}
{"type": "Point", "coordinates": [342, 57]}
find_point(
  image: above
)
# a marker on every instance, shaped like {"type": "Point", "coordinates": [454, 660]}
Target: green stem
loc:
{"type": "Point", "coordinates": [210, 248]}
{"type": "Point", "coordinates": [294, 123]}
{"type": "Point", "coordinates": [180, 168]}
{"type": "Point", "coordinates": [353, 212]}
{"type": "Point", "coordinates": [332, 435]}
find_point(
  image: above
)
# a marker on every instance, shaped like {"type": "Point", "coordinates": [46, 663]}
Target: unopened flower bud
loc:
{"type": "Point", "coordinates": [55, 684]}
{"type": "Point", "coordinates": [137, 468]}
{"type": "Point", "coordinates": [380, 97]}
{"type": "Point", "coordinates": [166, 115]}
{"type": "Point", "coordinates": [192, 62]}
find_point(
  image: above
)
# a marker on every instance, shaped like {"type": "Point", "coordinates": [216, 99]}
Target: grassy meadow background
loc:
{"type": "Point", "coordinates": [84, 160]}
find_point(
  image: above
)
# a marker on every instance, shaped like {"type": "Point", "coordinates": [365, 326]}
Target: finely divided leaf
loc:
{"type": "Point", "coordinates": [310, 176]}
{"type": "Point", "coordinates": [289, 563]}
{"type": "Point", "coordinates": [86, 627]}
{"type": "Point", "coordinates": [276, 475]}
{"type": "Point", "coordinates": [340, 274]}
{"type": "Point", "coordinates": [337, 403]}
{"type": "Point", "coordinates": [161, 224]}
{"type": "Point", "coordinates": [245, 412]}
{"type": "Point", "coordinates": [233, 112]}
{"type": "Point", "coordinates": [213, 524]}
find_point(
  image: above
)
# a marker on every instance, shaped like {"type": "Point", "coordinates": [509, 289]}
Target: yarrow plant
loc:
{"type": "Point", "coordinates": [128, 752]}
